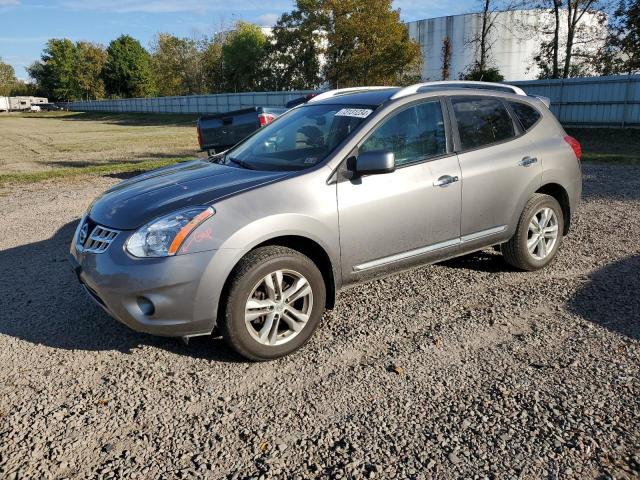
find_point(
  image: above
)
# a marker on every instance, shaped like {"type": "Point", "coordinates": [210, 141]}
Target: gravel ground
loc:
{"type": "Point", "coordinates": [466, 369]}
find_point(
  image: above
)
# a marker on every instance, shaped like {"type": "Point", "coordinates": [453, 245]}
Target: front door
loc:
{"type": "Point", "coordinates": [390, 220]}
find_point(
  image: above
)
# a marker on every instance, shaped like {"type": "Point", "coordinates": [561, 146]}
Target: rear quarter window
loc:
{"type": "Point", "coordinates": [482, 121]}
{"type": "Point", "coordinates": [527, 115]}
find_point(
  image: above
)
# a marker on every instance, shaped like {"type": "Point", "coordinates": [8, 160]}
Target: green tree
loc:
{"type": "Point", "coordinates": [127, 71]}
{"type": "Point", "coordinates": [621, 52]}
{"type": "Point", "coordinates": [488, 74]}
{"type": "Point", "coordinates": [54, 73]}
{"type": "Point", "coordinates": [8, 78]}
{"type": "Point", "coordinates": [243, 55]}
{"type": "Point", "coordinates": [212, 65]}
{"type": "Point", "coordinates": [89, 62]}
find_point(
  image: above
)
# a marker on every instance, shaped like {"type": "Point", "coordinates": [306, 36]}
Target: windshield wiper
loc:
{"type": "Point", "coordinates": [237, 161]}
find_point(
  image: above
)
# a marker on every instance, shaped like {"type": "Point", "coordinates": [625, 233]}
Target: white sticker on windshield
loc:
{"type": "Point", "coordinates": [354, 112]}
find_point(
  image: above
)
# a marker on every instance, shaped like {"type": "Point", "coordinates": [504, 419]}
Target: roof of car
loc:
{"type": "Point", "coordinates": [369, 97]}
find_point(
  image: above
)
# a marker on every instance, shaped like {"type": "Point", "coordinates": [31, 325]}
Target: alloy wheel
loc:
{"type": "Point", "coordinates": [543, 233]}
{"type": "Point", "coordinates": [278, 307]}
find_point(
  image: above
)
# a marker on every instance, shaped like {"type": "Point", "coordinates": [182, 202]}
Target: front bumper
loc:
{"type": "Point", "coordinates": [184, 290]}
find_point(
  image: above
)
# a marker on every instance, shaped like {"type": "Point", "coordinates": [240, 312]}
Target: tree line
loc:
{"type": "Point", "coordinates": [338, 43]}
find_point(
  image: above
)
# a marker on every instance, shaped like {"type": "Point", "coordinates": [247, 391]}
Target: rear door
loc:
{"type": "Point", "coordinates": [500, 169]}
{"type": "Point", "coordinates": [390, 220]}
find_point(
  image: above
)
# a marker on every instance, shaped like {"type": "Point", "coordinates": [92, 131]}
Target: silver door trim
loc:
{"type": "Point", "coordinates": [483, 233]}
{"type": "Point", "coordinates": [429, 248]}
{"type": "Point", "coordinates": [404, 255]}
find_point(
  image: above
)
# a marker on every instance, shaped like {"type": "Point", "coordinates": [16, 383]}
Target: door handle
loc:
{"type": "Point", "coordinates": [445, 180]}
{"type": "Point", "coordinates": [526, 161]}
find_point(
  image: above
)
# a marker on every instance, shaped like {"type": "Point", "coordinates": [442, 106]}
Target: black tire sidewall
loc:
{"type": "Point", "coordinates": [241, 339]}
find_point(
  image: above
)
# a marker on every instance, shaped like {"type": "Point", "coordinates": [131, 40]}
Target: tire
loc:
{"type": "Point", "coordinates": [270, 335]}
{"type": "Point", "coordinates": [517, 252]}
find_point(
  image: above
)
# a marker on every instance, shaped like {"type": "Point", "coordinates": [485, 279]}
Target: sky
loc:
{"type": "Point", "coordinates": [26, 25]}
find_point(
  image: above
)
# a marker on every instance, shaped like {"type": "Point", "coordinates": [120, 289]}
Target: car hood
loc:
{"type": "Point", "coordinates": [134, 202]}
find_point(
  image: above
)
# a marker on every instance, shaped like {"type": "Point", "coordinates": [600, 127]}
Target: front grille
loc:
{"type": "Point", "coordinates": [100, 239]}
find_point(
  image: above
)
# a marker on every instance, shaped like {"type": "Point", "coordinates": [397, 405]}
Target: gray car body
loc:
{"type": "Point", "coordinates": [355, 229]}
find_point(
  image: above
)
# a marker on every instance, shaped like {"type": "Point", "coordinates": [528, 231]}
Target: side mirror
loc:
{"type": "Point", "coordinates": [375, 162]}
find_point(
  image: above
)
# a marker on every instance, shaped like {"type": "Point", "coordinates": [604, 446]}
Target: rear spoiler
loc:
{"type": "Point", "coordinates": [545, 100]}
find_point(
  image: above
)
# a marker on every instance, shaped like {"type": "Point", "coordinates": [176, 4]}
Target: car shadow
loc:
{"type": "Point", "coordinates": [41, 302]}
{"type": "Point", "coordinates": [610, 298]}
{"type": "Point", "coordinates": [482, 261]}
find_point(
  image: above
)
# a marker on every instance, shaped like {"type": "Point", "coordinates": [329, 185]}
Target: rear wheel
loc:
{"type": "Point", "coordinates": [538, 235]}
{"type": "Point", "coordinates": [275, 302]}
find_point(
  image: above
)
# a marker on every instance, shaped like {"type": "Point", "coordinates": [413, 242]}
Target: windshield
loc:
{"type": "Point", "coordinates": [300, 139]}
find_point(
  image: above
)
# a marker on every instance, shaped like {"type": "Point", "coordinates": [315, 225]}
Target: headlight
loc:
{"type": "Point", "coordinates": [163, 236]}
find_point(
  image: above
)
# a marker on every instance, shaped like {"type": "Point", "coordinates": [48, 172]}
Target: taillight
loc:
{"type": "Point", "coordinates": [199, 135]}
{"type": "Point", "coordinates": [265, 119]}
{"type": "Point", "coordinates": [575, 146]}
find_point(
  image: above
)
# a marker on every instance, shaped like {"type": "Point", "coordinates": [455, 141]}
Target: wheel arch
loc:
{"type": "Point", "coordinates": [305, 246]}
{"type": "Point", "coordinates": [558, 192]}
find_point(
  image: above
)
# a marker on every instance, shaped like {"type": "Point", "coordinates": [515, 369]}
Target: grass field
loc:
{"type": "Point", "coordinates": [43, 145]}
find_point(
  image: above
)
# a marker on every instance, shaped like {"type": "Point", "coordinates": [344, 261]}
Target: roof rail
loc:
{"type": "Point", "coordinates": [342, 91]}
{"type": "Point", "coordinates": [459, 84]}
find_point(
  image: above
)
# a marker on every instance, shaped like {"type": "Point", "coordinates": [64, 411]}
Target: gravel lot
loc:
{"type": "Point", "coordinates": [465, 369]}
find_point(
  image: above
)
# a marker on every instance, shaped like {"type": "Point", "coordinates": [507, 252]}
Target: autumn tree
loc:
{"type": "Point", "coordinates": [8, 78]}
{"type": "Point", "coordinates": [127, 71]}
{"type": "Point", "coordinates": [212, 65]}
{"type": "Point", "coordinates": [367, 43]}
{"type": "Point", "coordinates": [177, 65]}
{"type": "Point", "coordinates": [90, 59]}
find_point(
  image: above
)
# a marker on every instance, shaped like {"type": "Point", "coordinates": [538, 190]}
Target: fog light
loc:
{"type": "Point", "coordinates": [146, 306]}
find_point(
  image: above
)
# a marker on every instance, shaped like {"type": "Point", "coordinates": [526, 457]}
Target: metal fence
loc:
{"type": "Point", "coordinates": [219, 103]}
{"type": "Point", "coordinates": [591, 101]}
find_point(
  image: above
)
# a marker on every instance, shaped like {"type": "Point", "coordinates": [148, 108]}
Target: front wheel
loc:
{"type": "Point", "coordinates": [275, 301]}
{"type": "Point", "coordinates": [538, 235]}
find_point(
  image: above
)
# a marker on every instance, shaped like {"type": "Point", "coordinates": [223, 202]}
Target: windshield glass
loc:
{"type": "Point", "coordinates": [299, 139]}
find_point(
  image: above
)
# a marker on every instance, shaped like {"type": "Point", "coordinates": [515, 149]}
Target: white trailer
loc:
{"type": "Point", "coordinates": [4, 104]}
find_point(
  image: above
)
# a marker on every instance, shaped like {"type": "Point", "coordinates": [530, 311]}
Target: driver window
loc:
{"type": "Point", "coordinates": [413, 134]}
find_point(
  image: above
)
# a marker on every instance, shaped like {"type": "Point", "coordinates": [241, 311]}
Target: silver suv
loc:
{"type": "Point", "coordinates": [353, 185]}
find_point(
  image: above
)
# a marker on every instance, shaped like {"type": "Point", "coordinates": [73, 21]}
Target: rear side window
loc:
{"type": "Point", "coordinates": [527, 115]}
{"type": "Point", "coordinates": [414, 134]}
{"type": "Point", "coordinates": [482, 121]}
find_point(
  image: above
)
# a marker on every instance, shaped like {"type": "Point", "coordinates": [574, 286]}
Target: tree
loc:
{"type": "Point", "coordinates": [55, 72]}
{"type": "Point", "coordinates": [212, 65]}
{"type": "Point", "coordinates": [293, 52]}
{"type": "Point", "coordinates": [446, 58]}
{"type": "Point", "coordinates": [8, 78]}
{"type": "Point", "coordinates": [90, 59]}
{"type": "Point", "coordinates": [127, 71]}
{"type": "Point", "coordinates": [367, 44]}
{"type": "Point", "coordinates": [571, 37]}
{"type": "Point", "coordinates": [177, 65]}
{"type": "Point", "coordinates": [482, 41]}
{"type": "Point", "coordinates": [243, 54]}
{"type": "Point", "coordinates": [621, 52]}
{"type": "Point", "coordinates": [488, 74]}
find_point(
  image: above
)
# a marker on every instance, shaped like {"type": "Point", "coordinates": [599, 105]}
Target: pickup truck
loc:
{"type": "Point", "coordinates": [221, 131]}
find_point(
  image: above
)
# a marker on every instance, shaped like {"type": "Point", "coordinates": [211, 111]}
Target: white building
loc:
{"type": "Point", "coordinates": [515, 39]}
